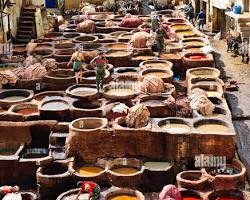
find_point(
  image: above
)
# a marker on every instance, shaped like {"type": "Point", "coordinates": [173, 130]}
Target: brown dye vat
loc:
{"type": "Point", "coordinates": [143, 57]}
{"type": "Point", "coordinates": [118, 54]}
{"type": "Point", "coordinates": [54, 169]}
{"type": "Point", "coordinates": [19, 50]}
{"type": "Point", "coordinates": [119, 58]}
{"type": "Point", "coordinates": [90, 105]}
{"type": "Point", "coordinates": [42, 46]}
{"type": "Point", "coordinates": [156, 64]}
{"type": "Point", "coordinates": [211, 126]}
{"type": "Point", "coordinates": [71, 35]}
{"type": "Point", "coordinates": [42, 52]}
{"type": "Point", "coordinates": [64, 45]}
{"type": "Point", "coordinates": [63, 55]}
{"type": "Point", "coordinates": [86, 109]}
{"type": "Point", "coordinates": [54, 176]}
{"type": "Point", "coordinates": [53, 35]}
{"type": "Point", "coordinates": [117, 46]}
{"type": "Point", "coordinates": [117, 33]}
{"type": "Point", "coordinates": [127, 71]}
{"type": "Point", "coordinates": [27, 111]}
{"type": "Point", "coordinates": [125, 37]}
{"type": "Point", "coordinates": [107, 40]}
{"type": "Point", "coordinates": [86, 39]}
{"type": "Point", "coordinates": [170, 56]}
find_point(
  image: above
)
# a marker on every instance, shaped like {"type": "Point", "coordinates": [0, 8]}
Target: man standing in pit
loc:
{"type": "Point", "coordinates": [91, 188]}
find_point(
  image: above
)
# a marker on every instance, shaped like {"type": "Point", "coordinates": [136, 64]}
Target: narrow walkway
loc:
{"type": "Point", "coordinates": [239, 101]}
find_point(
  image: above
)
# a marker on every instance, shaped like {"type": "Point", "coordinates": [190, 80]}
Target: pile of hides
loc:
{"type": "Point", "coordinates": [8, 77]}
{"type": "Point", "coordinates": [199, 101]}
{"type": "Point", "coordinates": [138, 116]}
{"type": "Point", "coordinates": [139, 40]}
{"type": "Point", "coordinates": [183, 108]}
{"type": "Point", "coordinates": [81, 18]}
{"type": "Point", "coordinates": [130, 21]}
{"type": "Point", "coordinates": [170, 192]}
{"type": "Point", "coordinates": [49, 64]}
{"type": "Point", "coordinates": [110, 24]}
{"type": "Point", "coordinates": [151, 84]}
{"type": "Point", "coordinates": [34, 68]}
{"type": "Point", "coordinates": [88, 26]}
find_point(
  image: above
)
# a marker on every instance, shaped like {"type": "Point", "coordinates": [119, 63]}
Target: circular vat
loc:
{"type": "Point", "coordinates": [156, 64]}
{"type": "Point", "coordinates": [82, 91]}
{"type": "Point", "coordinates": [175, 126]}
{"type": "Point", "coordinates": [88, 124]}
{"type": "Point", "coordinates": [211, 126]}
{"type": "Point", "coordinates": [165, 75]}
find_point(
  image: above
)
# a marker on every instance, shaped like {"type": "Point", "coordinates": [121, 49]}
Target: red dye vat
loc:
{"type": "Point", "coordinates": [191, 198]}
{"type": "Point", "coordinates": [27, 111]}
{"type": "Point", "coordinates": [200, 57]}
{"type": "Point", "coordinates": [227, 198]}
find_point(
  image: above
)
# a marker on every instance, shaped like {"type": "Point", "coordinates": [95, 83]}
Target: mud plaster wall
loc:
{"type": "Point", "coordinates": [14, 15]}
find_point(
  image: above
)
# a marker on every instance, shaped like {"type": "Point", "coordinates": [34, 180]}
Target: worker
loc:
{"type": "Point", "coordinates": [201, 18]}
{"type": "Point", "coordinates": [190, 13]}
{"type": "Point", "coordinates": [91, 188]}
{"type": "Point", "coordinates": [160, 41]}
{"type": "Point", "coordinates": [155, 20]}
{"type": "Point", "coordinates": [4, 190]}
{"type": "Point", "coordinates": [170, 192]}
{"type": "Point", "coordinates": [245, 52]}
{"type": "Point", "coordinates": [77, 60]}
{"type": "Point", "coordinates": [62, 7]}
{"type": "Point", "coordinates": [100, 63]}
{"type": "Point", "coordinates": [229, 42]}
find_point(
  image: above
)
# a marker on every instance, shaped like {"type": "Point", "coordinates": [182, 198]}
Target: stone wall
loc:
{"type": "Point", "coordinates": [14, 15]}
